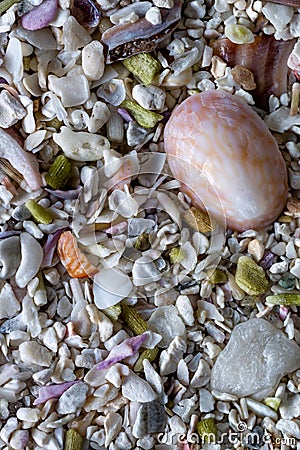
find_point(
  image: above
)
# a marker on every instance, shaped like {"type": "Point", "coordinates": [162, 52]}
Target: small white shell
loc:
{"type": "Point", "coordinates": [35, 139]}
{"type": "Point", "coordinates": [149, 97]}
{"type": "Point", "coordinates": [100, 115]}
{"type": "Point", "coordinates": [32, 256]}
{"type": "Point", "coordinates": [93, 63]}
{"type": "Point", "coordinates": [81, 146]}
{"type": "Point", "coordinates": [113, 92]}
{"type": "Point", "coordinates": [112, 427]}
{"type": "Point", "coordinates": [73, 90]}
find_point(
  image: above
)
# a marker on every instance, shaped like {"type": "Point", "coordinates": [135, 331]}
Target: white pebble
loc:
{"type": "Point", "coordinates": [9, 305]}
{"type": "Point", "coordinates": [278, 15]}
{"type": "Point", "coordinates": [206, 401]}
{"type": "Point", "coordinates": [72, 399]}
{"type": "Point", "coordinates": [153, 16]}
{"type": "Point", "coordinates": [136, 389]}
{"type": "Point", "coordinates": [28, 414]}
{"type": "Point", "coordinates": [149, 97]}
{"type": "Point", "coordinates": [185, 309]}
{"type": "Point", "coordinates": [260, 409]}
{"type": "Point", "coordinates": [164, 3]}
{"type": "Point", "coordinates": [93, 63]}
{"type": "Point", "coordinates": [32, 352]}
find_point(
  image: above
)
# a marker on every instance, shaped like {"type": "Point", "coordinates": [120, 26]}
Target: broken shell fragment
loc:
{"type": "Point", "coordinates": [237, 173]}
{"type": "Point", "coordinates": [258, 57]}
{"type": "Point", "coordinates": [11, 109]}
{"type": "Point", "coordinates": [76, 263]}
{"type": "Point", "coordinates": [127, 39]}
{"type": "Point", "coordinates": [40, 16]}
{"type": "Point", "coordinates": [85, 12]}
{"type": "Point", "coordinates": [25, 163]}
{"type": "Point", "coordinates": [81, 146]}
{"type": "Point", "coordinates": [110, 287]}
{"type": "Point", "coordinates": [73, 90]}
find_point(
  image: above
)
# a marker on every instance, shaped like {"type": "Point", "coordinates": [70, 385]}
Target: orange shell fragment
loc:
{"type": "Point", "coordinates": [76, 263]}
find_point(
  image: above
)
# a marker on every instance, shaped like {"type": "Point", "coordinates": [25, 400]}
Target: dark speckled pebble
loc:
{"type": "Point", "coordinates": [151, 418]}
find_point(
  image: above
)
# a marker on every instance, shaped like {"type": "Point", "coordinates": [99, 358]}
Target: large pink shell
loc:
{"type": "Point", "coordinates": [227, 160]}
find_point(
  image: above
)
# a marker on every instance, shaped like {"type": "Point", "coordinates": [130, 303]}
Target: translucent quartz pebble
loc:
{"type": "Point", "coordinates": [254, 360]}
{"type": "Point", "coordinates": [227, 160]}
{"type": "Point", "coordinates": [110, 287]}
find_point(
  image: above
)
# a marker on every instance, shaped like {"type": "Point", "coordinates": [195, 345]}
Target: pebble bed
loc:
{"type": "Point", "coordinates": [124, 349]}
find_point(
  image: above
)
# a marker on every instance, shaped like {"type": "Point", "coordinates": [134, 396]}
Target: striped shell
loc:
{"type": "Point", "coordinates": [227, 160]}
{"type": "Point", "coordinates": [76, 263]}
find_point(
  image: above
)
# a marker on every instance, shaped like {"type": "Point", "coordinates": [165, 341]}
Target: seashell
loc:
{"type": "Point", "coordinates": [76, 263]}
{"type": "Point", "coordinates": [258, 57]}
{"type": "Point", "coordinates": [81, 146]}
{"type": "Point", "coordinates": [113, 92]}
{"type": "Point", "coordinates": [86, 13]}
{"type": "Point", "coordinates": [32, 256]}
{"type": "Point", "coordinates": [10, 254]}
{"type": "Point", "coordinates": [238, 174]}
{"type": "Point", "coordinates": [127, 39]}
{"type": "Point", "coordinates": [14, 59]}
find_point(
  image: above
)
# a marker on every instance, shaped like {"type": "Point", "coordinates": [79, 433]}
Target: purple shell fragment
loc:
{"type": "Point", "coordinates": [49, 248]}
{"type": "Point", "coordinates": [52, 391]}
{"type": "Point", "coordinates": [127, 39]}
{"type": "Point", "coordinates": [40, 16]}
{"type": "Point", "coordinates": [267, 260]}
{"type": "Point", "coordinates": [86, 13]}
{"type": "Point", "coordinates": [124, 350]}
{"type": "Point", "coordinates": [65, 195]}
{"type": "Point", "coordinates": [125, 115]}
